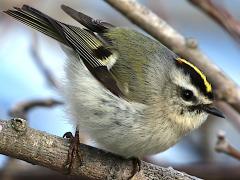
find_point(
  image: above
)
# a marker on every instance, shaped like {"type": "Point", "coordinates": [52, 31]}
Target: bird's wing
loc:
{"type": "Point", "coordinates": [88, 22]}
{"type": "Point", "coordinates": [88, 43]}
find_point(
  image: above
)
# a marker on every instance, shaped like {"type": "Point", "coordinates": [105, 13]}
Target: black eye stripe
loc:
{"type": "Point", "coordinates": [195, 78]}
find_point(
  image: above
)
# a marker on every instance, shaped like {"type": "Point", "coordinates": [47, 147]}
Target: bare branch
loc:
{"type": "Point", "coordinates": [219, 171]}
{"type": "Point", "coordinates": [19, 141]}
{"type": "Point", "coordinates": [225, 88]}
{"type": "Point", "coordinates": [21, 109]}
{"type": "Point", "coordinates": [224, 146]}
{"type": "Point", "coordinates": [9, 167]}
{"type": "Point", "coordinates": [211, 170]}
{"type": "Point", "coordinates": [39, 62]}
{"type": "Point", "coordinates": [230, 113]}
{"type": "Point", "coordinates": [220, 15]}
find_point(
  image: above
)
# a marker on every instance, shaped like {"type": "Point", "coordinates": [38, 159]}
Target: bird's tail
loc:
{"type": "Point", "coordinates": [38, 21]}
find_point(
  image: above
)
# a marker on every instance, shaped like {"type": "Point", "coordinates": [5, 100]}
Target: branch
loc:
{"type": "Point", "coordinates": [224, 146]}
{"type": "Point", "coordinates": [19, 141]}
{"type": "Point", "coordinates": [21, 109]}
{"type": "Point", "coordinates": [230, 112]}
{"type": "Point", "coordinates": [212, 170]}
{"type": "Point", "coordinates": [225, 88]}
{"type": "Point", "coordinates": [39, 63]}
{"type": "Point", "coordinates": [220, 15]}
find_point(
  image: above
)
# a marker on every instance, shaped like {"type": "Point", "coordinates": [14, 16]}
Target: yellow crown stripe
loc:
{"type": "Point", "coordinates": [207, 84]}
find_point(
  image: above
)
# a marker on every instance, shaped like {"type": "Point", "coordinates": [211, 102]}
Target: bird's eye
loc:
{"type": "Point", "coordinates": [187, 95]}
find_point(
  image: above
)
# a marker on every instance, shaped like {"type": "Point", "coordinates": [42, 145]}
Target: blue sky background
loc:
{"type": "Point", "coordinates": [21, 80]}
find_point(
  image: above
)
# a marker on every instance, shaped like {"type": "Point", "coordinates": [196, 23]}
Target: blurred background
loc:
{"type": "Point", "coordinates": [21, 79]}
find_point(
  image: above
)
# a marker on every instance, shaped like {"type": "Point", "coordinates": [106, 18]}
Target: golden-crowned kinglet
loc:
{"type": "Point", "coordinates": [128, 92]}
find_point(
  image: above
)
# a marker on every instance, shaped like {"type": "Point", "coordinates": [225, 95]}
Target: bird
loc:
{"type": "Point", "coordinates": [131, 94]}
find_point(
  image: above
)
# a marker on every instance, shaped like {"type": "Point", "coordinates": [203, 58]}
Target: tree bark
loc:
{"type": "Point", "coordinates": [220, 15]}
{"type": "Point", "coordinates": [19, 141]}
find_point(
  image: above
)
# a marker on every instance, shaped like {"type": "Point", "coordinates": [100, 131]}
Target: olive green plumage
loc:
{"type": "Point", "coordinates": [132, 69]}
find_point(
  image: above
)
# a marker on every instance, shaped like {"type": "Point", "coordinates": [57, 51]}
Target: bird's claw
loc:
{"type": "Point", "coordinates": [73, 150]}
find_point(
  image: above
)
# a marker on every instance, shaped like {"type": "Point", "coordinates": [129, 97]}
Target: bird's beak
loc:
{"type": "Point", "coordinates": [214, 111]}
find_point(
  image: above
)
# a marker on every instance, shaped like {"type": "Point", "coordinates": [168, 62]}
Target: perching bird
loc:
{"type": "Point", "coordinates": [128, 92]}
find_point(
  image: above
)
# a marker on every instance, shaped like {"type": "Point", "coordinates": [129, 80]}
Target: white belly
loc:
{"type": "Point", "coordinates": [115, 124]}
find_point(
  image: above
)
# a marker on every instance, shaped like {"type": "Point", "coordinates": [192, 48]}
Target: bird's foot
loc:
{"type": "Point", "coordinates": [136, 166]}
{"type": "Point", "coordinates": [73, 150]}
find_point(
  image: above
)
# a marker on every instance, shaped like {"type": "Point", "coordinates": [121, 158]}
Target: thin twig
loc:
{"type": "Point", "coordinates": [224, 146]}
{"type": "Point", "coordinates": [20, 141]}
{"type": "Point", "coordinates": [220, 15]}
{"type": "Point", "coordinates": [39, 62]}
{"type": "Point", "coordinates": [230, 112]}
{"type": "Point", "coordinates": [225, 88]}
{"type": "Point", "coordinates": [21, 109]}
